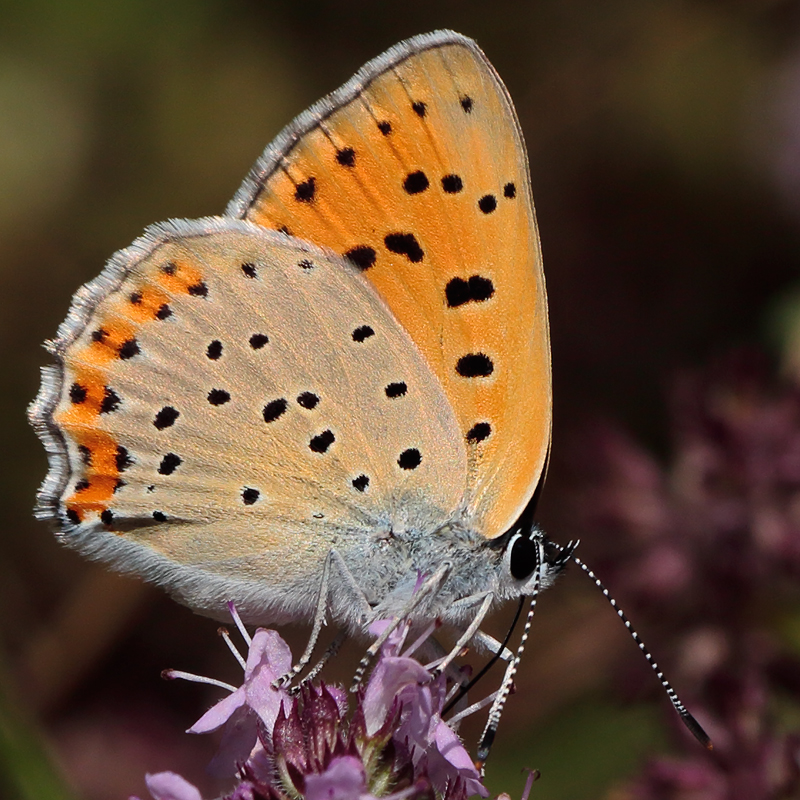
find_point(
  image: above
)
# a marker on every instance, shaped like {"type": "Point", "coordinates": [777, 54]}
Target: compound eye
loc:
{"type": "Point", "coordinates": [523, 557]}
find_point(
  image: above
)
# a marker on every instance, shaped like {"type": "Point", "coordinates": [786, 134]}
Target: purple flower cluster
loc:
{"type": "Point", "coordinates": [282, 746]}
{"type": "Point", "coordinates": [710, 549]}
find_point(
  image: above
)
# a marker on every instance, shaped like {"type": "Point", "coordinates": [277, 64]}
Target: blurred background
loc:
{"type": "Point", "coordinates": [664, 140]}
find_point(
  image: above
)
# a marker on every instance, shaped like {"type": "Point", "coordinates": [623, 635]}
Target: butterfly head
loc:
{"type": "Point", "coordinates": [529, 558]}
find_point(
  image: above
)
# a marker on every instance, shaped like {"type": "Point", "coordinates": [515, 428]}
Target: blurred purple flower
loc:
{"type": "Point", "coordinates": [710, 550]}
{"type": "Point", "coordinates": [281, 746]}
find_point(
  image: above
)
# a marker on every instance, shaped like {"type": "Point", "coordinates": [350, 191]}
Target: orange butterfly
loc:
{"type": "Point", "coordinates": [336, 398]}
{"type": "Point", "coordinates": [348, 375]}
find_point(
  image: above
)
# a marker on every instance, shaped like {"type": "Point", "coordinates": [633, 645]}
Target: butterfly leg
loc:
{"type": "Point", "coordinates": [319, 621]}
{"type": "Point", "coordinates": [434, 651]}
{"type": "Point", "coordinates": [330, 651]}
{"type": "Point", "coordinates": [484, 641]}
{"type": "Point", "coordinates": [355, 598]}
{"type": "Point", "coordinates": [347, 593]}
{"type": "Point", "coordinates": [499, 651]}
{"type": "Point", "coordinates": [457, 698]}
{"type": "Point", "coordinates": [429, 586]}
{"type": "Point", "coordinates": [468, 633]}
{"type": "Point", "coordinates": [490, 644]}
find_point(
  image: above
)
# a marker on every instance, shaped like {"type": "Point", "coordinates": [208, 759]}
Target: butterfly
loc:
{"type": "Point", "coordinates": [348, 373]}
{"type": "Point", "coordinates": [335, 400]}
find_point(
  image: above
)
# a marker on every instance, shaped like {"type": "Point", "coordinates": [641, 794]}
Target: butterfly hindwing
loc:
{"type": "Point", "coordinates": [416, 172]}
{"type": "Point", "coordinates": [227, 395]}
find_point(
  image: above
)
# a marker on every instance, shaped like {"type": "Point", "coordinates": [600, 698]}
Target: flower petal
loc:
{"type": "Point", "coordinates": [456, 762]}
{"type": "Point", "coordinates": [239, 737]}
{"type": "Point", "coordinates": [344, 779]}
{"type": "Point", "coordinates": [269, 650]}
{"type": "Point", "coordinates": [171, 786]}
{"type": "Point", "coordinates": [449, 745]}
{"type": "Point", "coordinates": [389, 677]}
{"type": "Point", "coordinates": [220, 712]}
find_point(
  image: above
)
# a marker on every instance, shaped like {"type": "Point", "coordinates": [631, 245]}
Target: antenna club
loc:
{"type": "Point", "coordinates": [697, 730]}
{"type": "Point", "coordinates": [484, 749]}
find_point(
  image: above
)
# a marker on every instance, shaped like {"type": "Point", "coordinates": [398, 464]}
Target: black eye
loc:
{"type": "Point", "coordinates": [524, 556]}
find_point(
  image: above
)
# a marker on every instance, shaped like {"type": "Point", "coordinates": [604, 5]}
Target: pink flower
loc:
{"type": "Point", "coordinates": [344, 779]}
{"type": "Point", "coordinates": [281, 746]}
{"type": "Point", "coordinates": [268, 658]}
{"type": "Point", "coordinates": [256, 702]}
{"type": "Point", "coordinates": [404, 684]}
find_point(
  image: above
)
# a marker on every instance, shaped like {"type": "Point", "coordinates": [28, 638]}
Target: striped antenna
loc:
{"type": "Point", "coordinates": [555, 566]}
{"type": "Point", "coordinates": [688, 720]}
{"type": "Point", "coordinates": [496, 711]}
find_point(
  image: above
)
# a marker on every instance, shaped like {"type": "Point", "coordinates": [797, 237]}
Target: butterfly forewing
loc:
{"type": "Point", "coordinates": [416, 172]}
{"type": "Point", "coordinates": [228, 395]}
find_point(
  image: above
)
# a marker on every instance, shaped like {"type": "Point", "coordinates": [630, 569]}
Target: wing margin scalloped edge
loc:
{"type": "Point", "coordinates": [84, 302]}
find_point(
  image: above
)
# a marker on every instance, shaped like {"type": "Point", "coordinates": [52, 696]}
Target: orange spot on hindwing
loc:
{"type": "Point", "coordinates": [110, 337]}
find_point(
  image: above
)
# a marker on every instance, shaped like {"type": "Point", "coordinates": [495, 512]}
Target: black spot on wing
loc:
{"type": "Point", "coordinates": [214, 350]}
{"type": "Point", "coordinates": [304, 192]}
{"type": "Point", "coordinates": [479, 431]}
{"type": "Point", "coordinates": [275, 409]}
{"type": "Point", "coordinates": [361, 483]}
{"type": "Point", "coordinates": [218, 397]}
{"type": "Point", "coordinates": [166, 417]}
{"type": "Point", "coordinates": [409, 459]}
{"type": "Point", "coordinates": [110, 402]}
{"type": "Point", "coordinates": [404, 244]}
{"type": "Point", "coordinates": [198, 289]}
{"type": "Point", "coordinates": [77, 393]}
{"type": "Point", "coordinates": [307, 400]}
{"type": "Point", "coordinates": [361, 256]}
{"type": "Point", "coordinates": [396, 390]}
{"type": "Point", "coordinates": [452, 184]}
{"type": "Point", "coordinates": [362, 332]}
{"type": "Point", "coordinates": [475, 289]}
{"type": "Point", "coordinates": [475, 365]}
{"type": "Point", "coordinates": [169, 464]}
{"type": "Point", "coordinates": [487, 203]}
{"type": "Point", "coordinates": [250, 495]}
{"type": "Point", "coordinates": [128, 349]}
{"type": "Point", "coordinates": [346, 157]}
{"type": "Point", "coordinates": [322, 441]}
{"type": "Point", "coordinates": [122, 459]}
{"type": "Point", "coordinates": [416, 182]}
